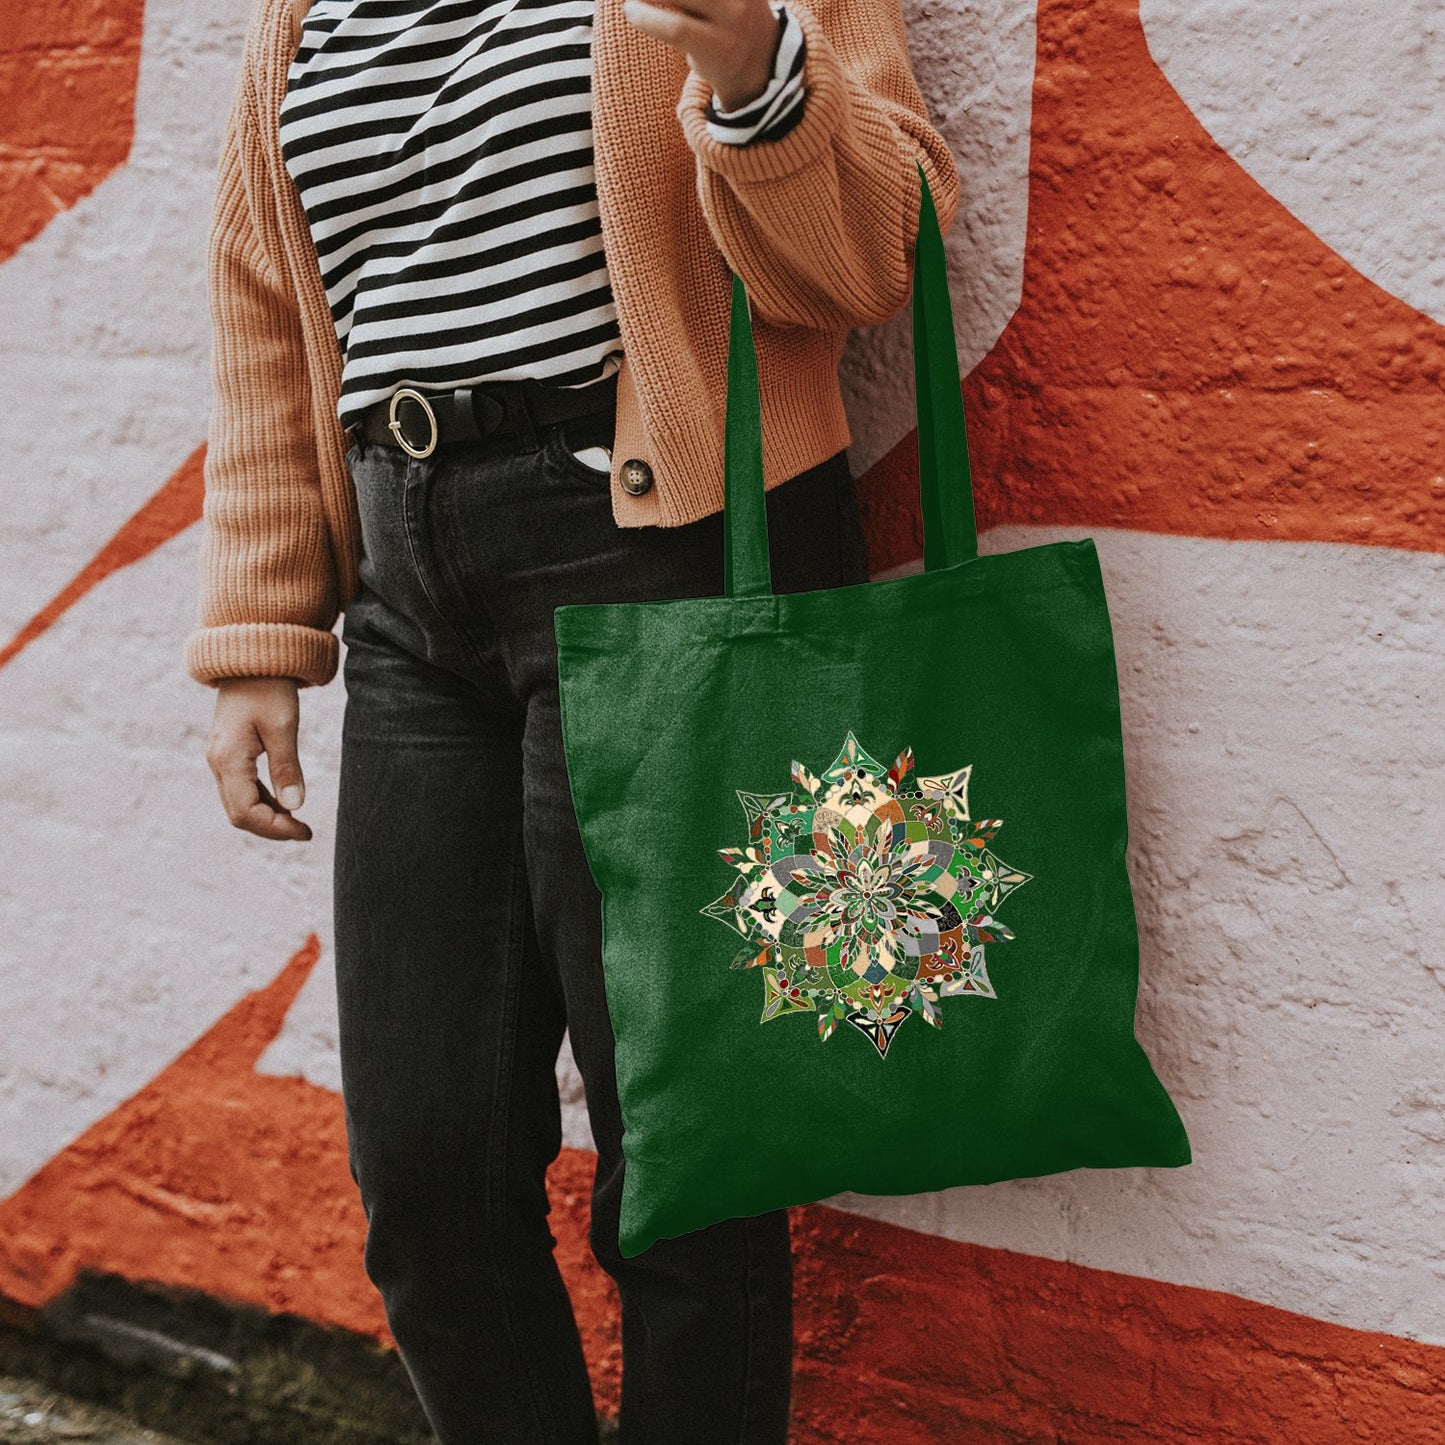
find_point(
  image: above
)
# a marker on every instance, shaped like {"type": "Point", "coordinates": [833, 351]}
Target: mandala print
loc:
{"type": "Point", "coordinates": [869, 896]}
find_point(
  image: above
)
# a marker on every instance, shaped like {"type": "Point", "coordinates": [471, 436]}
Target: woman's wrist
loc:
{"type": "Point", "coordinates": [753, 85]}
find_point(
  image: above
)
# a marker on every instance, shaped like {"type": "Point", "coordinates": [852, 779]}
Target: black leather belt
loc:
{"type": "Point", "coordinates": [420, 421]}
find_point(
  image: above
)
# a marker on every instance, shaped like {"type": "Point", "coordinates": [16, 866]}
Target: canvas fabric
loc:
{"type": "Point", "coordinates": [867, 920]}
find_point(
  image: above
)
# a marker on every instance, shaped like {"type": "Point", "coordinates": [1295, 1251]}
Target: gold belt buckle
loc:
{"type": "Point", "coordinates": [394, 426]}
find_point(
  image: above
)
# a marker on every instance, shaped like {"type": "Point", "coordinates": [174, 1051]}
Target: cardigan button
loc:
{"type": "Point", "coordinates": [636, 476]}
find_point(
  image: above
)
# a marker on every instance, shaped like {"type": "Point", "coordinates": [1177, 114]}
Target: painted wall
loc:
{"type": "Point", "coordinates": [1200, 297]}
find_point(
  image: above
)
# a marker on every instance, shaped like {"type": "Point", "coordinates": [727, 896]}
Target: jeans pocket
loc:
{"type": "Point", "coordinates": [559, 452]}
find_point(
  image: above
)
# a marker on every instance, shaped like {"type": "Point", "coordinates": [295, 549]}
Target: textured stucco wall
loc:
{"type": "Point", "coordinates": [1283, 700]}
{"type": "Point", "coordinates": [1199, 290]}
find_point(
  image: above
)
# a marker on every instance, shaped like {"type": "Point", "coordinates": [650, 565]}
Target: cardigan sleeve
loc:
{"type": "Point", "coordinates": [821, 223]}
{"type": "Point", "coordinates": [268, 594]}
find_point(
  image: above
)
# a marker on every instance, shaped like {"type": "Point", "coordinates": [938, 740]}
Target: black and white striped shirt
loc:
{"type": "Point", "coordinates": [442, 152]}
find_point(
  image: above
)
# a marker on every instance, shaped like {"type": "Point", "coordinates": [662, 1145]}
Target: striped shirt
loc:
{"type": "Point", "coordinates": [442, 153]}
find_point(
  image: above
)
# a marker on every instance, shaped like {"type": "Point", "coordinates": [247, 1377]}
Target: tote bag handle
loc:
{"type": "Point", "coordinates": [945, 481]}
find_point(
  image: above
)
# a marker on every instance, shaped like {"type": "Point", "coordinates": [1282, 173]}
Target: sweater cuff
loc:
{"type": "Point", "coordinates": [263, 649]}
{"type": "Point", "coordinates": [826, 87]}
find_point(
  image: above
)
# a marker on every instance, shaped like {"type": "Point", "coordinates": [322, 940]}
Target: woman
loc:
{"type": "Point", "coordinates": [470, 266]}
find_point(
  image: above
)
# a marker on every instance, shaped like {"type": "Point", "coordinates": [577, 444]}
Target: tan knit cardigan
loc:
{"type": "Point", "coordinates": [820, 225]}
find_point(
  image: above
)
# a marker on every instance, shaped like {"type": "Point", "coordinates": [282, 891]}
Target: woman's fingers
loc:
{"type": "Point", "coordinates": [730, 43]}
{"type": "Point", "coordinates": [255, 716]}
{"type": "Point", "coordinates": [278, 737]}
{"type": "Point", "coordinates": [680, 28]}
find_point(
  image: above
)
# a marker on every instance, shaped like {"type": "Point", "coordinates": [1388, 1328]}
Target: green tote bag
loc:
{"type": "Point", "coordinates": [867, 924]}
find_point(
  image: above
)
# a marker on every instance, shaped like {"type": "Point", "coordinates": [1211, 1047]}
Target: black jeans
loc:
{"type": "Point", "coordinates": [468, 937]}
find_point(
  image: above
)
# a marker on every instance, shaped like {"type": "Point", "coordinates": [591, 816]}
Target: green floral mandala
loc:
{"type": "Point", "coordinates": [867, 897]}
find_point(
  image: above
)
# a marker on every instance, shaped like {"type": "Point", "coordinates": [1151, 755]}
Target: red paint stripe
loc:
{"type": "Point", "coordinates": [904, 1337]}
{"type": "Point", "coordinates": [67, 107]}
{"type": "Point", "coordinates": [221, 1179]}
{"type": "Point", "coordinates": [168, 512]}
{"type": "Point", "coordinates": [217, 1178]}
{"type": "Point", "coordinates": [1187, 356]}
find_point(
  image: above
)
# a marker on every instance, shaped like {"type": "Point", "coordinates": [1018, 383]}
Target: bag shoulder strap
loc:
{"type": "Point", "coordinates": [945, 478]}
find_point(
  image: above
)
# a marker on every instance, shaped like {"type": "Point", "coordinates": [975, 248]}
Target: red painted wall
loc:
{"type": "Point", "coordinates": [220, 1178]}
{"type": "Point", "coordinates": [1188, 357]}
{"type": "Point", "coordinates": [67, 106]}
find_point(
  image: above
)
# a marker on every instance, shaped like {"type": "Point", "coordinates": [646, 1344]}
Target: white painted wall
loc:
{"type": "Point", "coordinates": [1283, 703]}
{"type": "Point", "coordinates": [1282, 707]}
{"type": "Point", "coordinates": [1335, 108]}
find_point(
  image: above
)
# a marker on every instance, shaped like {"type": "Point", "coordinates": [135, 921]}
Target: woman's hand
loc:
{"type": "Point", "coordinates": [256, 715]}
{"type": "Point", "coordinates": [730, 43]}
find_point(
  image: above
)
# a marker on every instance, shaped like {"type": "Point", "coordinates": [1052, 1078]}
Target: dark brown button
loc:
{"type": "Point", "coordinates": [636, 476]}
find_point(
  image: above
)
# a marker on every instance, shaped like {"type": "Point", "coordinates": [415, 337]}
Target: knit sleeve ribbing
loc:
{"type": "Point", "coordinates": [821, 223]}
{"type": "Point", "coordinates": [268, 590]}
